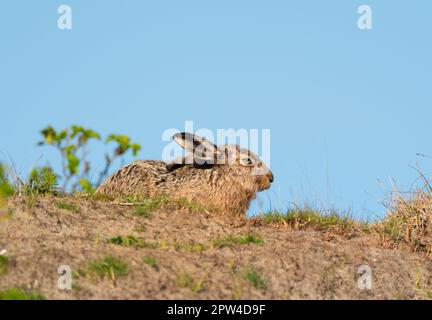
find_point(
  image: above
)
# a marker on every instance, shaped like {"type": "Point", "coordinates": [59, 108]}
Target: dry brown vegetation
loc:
{"type": "Point", "coordinates": [409, 222]}
{"type": "Point", "coordinates": [157, 249]}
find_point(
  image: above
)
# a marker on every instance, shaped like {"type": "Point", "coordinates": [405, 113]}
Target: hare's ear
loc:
{"type": "Point", "coordinates": [200, 148]}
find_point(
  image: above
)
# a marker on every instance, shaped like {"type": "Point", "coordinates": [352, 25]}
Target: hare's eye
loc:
{"type": "Point", "coordinates": [247, 161]}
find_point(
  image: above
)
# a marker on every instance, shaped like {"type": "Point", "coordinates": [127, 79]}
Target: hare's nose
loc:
{"type": "Point", "coordinates": [270, 176]}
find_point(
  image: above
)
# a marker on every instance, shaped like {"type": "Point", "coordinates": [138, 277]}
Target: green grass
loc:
{"type": "Point", "coordinates": [409, 221]}
{"type": "Point", "coordinates": [108, 267]}
{"type": "Point", "coordinates": [4, 263]}
{"type": "Point", "coordinates": [196, 247]}
{"type": "Point", "coordinates": [19, 294]}
{"type": "Point", "coordinates": [142, 211]}
{"type": "Point", "coordinates": [131, 241]}
{"type": "Point", "coordinates": [148, 204]}
{"type": "Point", "coordinates": [395, 226]}
{"type": "Point", "coordinates": [191, 206]}
{"type": "Point", "coordinates": [6, 189]}
{"type": "Point", "coordinates": [233, 240]}
{"type": "Point", "coordinates": [150, 244]}
{"type": "Point", "coordinates": [186, 281]}
{"type": "Point", "coordinates": [150, 261]}
{"type": "Point", "coordinates": [303, 217]}
{"type": "Point", "coordinates": [254, 277]}
{"type": "Point", "coordinates": [31, 200]}
{"type": "Point", "coordinates": [67, 206]}
{"type": "Point", "coordinates": [191, 246]}
{"type": "Point", "coordinates": [145, 206]}
{"type": "Point", "coordinates": [126, 241]}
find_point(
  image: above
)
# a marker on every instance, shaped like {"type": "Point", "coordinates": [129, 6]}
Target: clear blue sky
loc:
{"type": "Point", "coordinates": [346, 108]}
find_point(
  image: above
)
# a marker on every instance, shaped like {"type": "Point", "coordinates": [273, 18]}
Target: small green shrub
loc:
{"type": "Point", "coordinates": [41, 181]}
{"type": "Point", "coordinates": [254, 277]}
{"type": "Point", "coordinates": [108, 267]}
{"type": "Point", "coordinates": [72, 143]}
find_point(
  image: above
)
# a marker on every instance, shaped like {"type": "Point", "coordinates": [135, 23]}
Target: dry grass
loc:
{"type": "Point", "coordinates": [409, 221]}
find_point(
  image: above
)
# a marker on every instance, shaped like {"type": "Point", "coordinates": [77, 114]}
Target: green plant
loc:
{"type": "Point", "coordinates": [123, 145]}
{"type": "Point", "coordinates": [31, 200]}
{"type": "Point", "coordinates": [131, 241]}
{"type": "Point", "coordinates": [185, 280]}
{"type": "Point", "coordinates": [301, 218]}
{"type": "Point", "coordinates": [126, 241]}
{"type": "Point", "coordinates": [409, 221]}
{"type": "Point", "coordinates": [144, 206]}
{"type": "Point", "coordinates": [192, 246]}
{"type": "Point", "coordinates": [108, 267]}
{"type": "Point", "coordinates": [4, 263]}
{"type": "Point", "coordinates": [232, 240]}
{"type": "Point", "coordinates": [142, 211]}
{"type": "Point", "coordinates": [72, 144]}
{"type": "Point", "coordinates": [6, 188]}
{"type": "Point", "coordinates": [151, 261]}
{"type": "Point", "coordinates": [254, 277]}
{"type": "Point", "coordinates": [41, 181]}
{"type": "Point", "coordinates": [149, 244]}
{"type": "Point", "coordinates": [67, 206]}
{"type": "Point", "coordinates": [191, 206]}
{"type": "Point", "coordinates": [86, 186]}
{"type": "Point", "coordinates": [20, 294]}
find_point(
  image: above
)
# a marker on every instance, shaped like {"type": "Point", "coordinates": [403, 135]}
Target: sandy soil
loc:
{"type": "Point", "coordinates": [38, 237]}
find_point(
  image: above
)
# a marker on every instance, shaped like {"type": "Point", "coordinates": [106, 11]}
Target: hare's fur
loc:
{"type": "Point", "coordinates": [227, 188]}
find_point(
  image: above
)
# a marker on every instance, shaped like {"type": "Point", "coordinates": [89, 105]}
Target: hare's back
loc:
{"type": "Point", "coordinates": [138, 178]}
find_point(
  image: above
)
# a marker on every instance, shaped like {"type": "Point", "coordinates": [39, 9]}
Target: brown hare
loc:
{"type": "Point", "coordinates": [225, 178]}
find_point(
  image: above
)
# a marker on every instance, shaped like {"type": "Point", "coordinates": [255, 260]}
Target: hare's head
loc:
{"type": "Point", "coordinates": [203, 154]}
